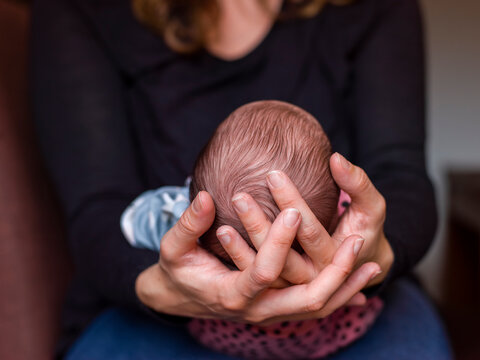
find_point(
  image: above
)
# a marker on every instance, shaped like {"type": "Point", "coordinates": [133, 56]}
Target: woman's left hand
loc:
{"type": "Point", "coordinates": [364, 217]}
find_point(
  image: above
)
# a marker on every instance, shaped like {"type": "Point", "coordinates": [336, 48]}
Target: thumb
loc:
{"type": "Point", "coordinates": [355, 182]}
{"type": "Point", "coordinates": [194, 222]}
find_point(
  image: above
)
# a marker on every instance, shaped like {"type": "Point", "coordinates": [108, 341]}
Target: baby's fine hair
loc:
{"type": "Point", "coordinates": [255, 139]}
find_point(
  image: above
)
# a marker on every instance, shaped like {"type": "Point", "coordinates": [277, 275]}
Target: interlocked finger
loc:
{"type": "Point", "coordinates": [240, 253]}
{"type": "Point", "coordinates": [257, 226]}
{"type": "Point", "coordinates": [311, 298]}
{"type": "Point", "coordinates": [313, 237]}
{"type": "Point", "coordinates": [271, 257]}
{"type": "Point", "coordinates": [352, 286]}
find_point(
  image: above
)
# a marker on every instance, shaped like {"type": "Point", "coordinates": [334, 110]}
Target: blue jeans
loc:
{"type": "Point", "coordinates": [408, 329]}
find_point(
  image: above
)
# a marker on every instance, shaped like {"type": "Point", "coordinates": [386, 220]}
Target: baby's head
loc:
{"type": "Point", "coordinates": [255, 139]}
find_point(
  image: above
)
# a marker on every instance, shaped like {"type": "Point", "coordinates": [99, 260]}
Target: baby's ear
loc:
{"type": "Point", "coordinates": [342, 205]}
{"type": "Point", "coordinates": [344, 201]}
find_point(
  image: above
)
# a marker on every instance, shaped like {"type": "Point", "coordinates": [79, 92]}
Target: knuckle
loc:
{"type": "Point", "coordinates": [234, 304]}
{"type": "Point", "coordinates": [237, 258]}
{"type": "Point", "coordinates": [344, 271]}
{"type": "Point", "coordinates": [186, 225]}
{"type": "Point", "coordinates": [309, 234]}
{"type": "Point", "coordinates": [263, 277]}
{"type": "Point", "coordinates": [254, 228]}
{"type": "Point", "coordinates": [283, 241]}
{"type": "Point", "coordinates": [314, 306]}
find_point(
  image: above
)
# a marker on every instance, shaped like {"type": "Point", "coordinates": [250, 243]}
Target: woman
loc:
{"type": "Point", "coordinates": [122, 107]}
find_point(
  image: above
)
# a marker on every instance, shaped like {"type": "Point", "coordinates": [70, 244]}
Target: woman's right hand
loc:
{"type": "Point", "coordinates": [189, 281]}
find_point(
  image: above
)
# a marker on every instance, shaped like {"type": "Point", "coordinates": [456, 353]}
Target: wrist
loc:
{"type": "Point", "coordinates": [151, 288]}
{"type": "Point", "coordinates": [150, 291]}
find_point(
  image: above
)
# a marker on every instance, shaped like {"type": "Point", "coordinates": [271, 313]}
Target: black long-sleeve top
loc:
{"type": "Point", "coordinates": [117, 112]}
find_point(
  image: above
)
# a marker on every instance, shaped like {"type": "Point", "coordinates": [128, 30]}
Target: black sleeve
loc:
{"type": "Point", "coordinates": [79, 105]}
{"type": "Point", "coordinates": [389, 128]}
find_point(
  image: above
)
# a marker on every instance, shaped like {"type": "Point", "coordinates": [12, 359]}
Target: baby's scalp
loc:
{"type": "Point", "coordinates": [257, 138]}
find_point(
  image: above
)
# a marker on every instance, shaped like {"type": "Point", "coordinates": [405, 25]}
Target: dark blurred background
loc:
{"type": "Point", "coordinates": [34, 266]}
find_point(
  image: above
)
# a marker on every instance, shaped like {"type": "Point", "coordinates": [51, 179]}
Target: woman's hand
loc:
{"type": "Point", "coordinates": [189, 281]}
{"type": "Point", "coordinates": [364, 217]}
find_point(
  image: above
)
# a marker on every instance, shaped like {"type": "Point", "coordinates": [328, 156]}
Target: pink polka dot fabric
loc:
{"type": "Point", "coordinates": [308, 339]}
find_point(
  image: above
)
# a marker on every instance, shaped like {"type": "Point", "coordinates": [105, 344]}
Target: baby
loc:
{"type": "Point", "coordinates": [255, 139]}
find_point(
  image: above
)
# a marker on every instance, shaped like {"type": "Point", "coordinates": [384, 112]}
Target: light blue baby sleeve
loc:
{"type": "Point", "coordinates": [146, 220]}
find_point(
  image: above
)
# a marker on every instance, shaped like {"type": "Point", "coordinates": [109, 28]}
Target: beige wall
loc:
{"type": "Point", "coordinates": [453, 51]}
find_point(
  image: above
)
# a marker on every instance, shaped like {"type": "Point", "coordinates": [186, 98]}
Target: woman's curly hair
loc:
{"type": "Point", "coordinates": [185, 24]}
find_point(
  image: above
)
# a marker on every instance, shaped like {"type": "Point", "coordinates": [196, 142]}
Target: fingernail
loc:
{"type": "Point", "coordinates": [240, 204]}
{"type": "Point", "coordinates": [357, 246]}
{"type": "Point", "coordinates": [344, 162]}
{"type": "Point", "coordinates": [275, 179]}
{"type": "Point", "coordinates": [224, 238]}
{"type": "Point", "coordinates": [197, 203]}
{"type": "Point", "coordinates": [375, 274]}
{"type": "Point", "coordinates": [291, 217]}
